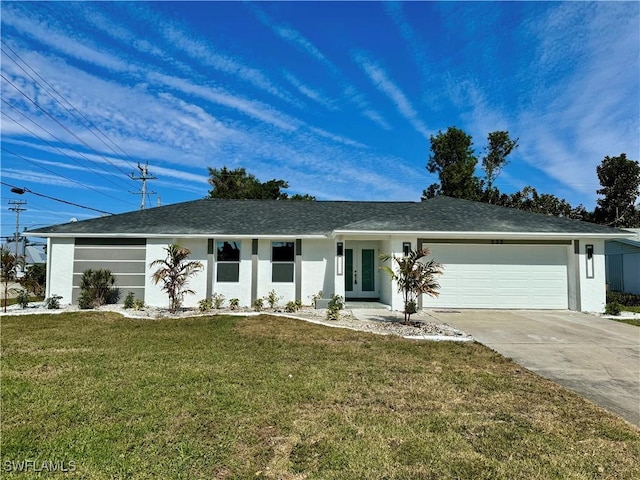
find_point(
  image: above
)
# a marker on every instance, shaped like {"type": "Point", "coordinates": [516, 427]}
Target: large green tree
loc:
{"type": "Point", "coordinates": [499, 147]}
{"type": "Point", "coordinates": [453, 159]}
{"type": "Point", "coordinates": [238, 184]}
{"type": "Point", "coordinates": [620, 181]}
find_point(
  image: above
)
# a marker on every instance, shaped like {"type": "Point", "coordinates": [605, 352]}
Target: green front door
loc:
{"type": "Point", "coordinates": [361, 271]}
{"type": "Point", "coordinates": [368, 267]}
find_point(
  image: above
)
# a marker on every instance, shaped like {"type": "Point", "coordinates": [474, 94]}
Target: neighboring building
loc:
{"type": "Point", "coordinates": [623, 263]}
{"type": "Point", "coordinates": [493, 257]}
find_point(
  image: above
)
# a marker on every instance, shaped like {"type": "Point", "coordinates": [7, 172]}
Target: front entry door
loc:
{"type": "Point", "coordinates": [361, 272]}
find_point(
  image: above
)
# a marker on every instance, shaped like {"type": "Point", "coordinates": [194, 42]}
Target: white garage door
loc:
{"type": "Point", "coordinates": [501, 276]}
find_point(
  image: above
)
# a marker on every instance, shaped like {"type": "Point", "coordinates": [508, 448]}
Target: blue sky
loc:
{"type": "Point", "coordinates": [339, 99]}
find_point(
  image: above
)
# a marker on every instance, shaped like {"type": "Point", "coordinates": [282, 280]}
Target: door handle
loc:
{"type": "Point", "coordinates": [355, 277]}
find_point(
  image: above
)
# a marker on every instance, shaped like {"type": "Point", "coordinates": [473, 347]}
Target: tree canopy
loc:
{"type": "Point", "coordinates": [620, 181]}
{"type": "Point", "coordinates": [238, 184]}
{"type": "Point", "coordinates": [453, 159]}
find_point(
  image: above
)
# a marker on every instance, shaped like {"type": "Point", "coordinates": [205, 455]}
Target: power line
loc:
{"type": "Point", "coordinates": [88, 167]}
{"type": "Point", "coordinates": [21, 191]}
{"type": "Point", "coordinates": [58, 121]}
{"type": "Point", "coordinates": [62, 176]}
{"type": "Point", "coordinates": [73, 109]}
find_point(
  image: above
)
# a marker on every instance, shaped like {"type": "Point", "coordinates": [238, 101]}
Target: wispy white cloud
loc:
{"type": "Point", "coordinates": [313, 94]}
{"type": "Point", "coordinates": [381, 80]}
{"type": "Point", "coordinates": [62, 41]}
{"type": "Point", "coordinates": [337, 138]}
{"type": "Point", "coordinates": [255, 109]}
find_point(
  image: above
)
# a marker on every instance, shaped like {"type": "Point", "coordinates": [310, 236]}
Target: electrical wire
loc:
{"type": "Point", "coordinates": [57, 121]}
{"type": "Point", "coordinates": [77, 115]}
{"type": "Point", "coordinates": [56, 199]}
{"type": "Point", "coordinates": [57, 174]}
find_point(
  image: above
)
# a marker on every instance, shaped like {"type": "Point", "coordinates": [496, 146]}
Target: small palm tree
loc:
{"type": "Point", "coordinates": [9, 270]}
{"type": "Point", "coordinates": [174, 273]}
{"type": "Point", "coordinates": [414, 277]}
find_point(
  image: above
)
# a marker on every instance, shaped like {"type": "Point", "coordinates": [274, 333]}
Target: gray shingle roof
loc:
{"type": "Point", "coordinates": [279, 217]}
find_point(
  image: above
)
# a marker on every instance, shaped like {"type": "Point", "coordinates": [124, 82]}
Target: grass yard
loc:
{"type": "Point", "coordinates": [629, 321]}
{"type": "Point", "coordinates": [268, 397]}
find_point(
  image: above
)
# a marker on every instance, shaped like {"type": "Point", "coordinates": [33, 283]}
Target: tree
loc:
{"type": "Point", "coordinates": [499, 147]}
{"type": "Point", "coordinates": [174, 273]}
{"type": "Point", "coordinates": [414, 277]}
{"type": "Point", "coordinates": [452, 158]}
{"type": "Point", "coordinates": [620, 181]}
{"type": "Point", "coordinates": [238, 184]}
{"type": "Point", "coordinates": [9, 264]}
{"type": "Point", "coordinates": [35, 278]}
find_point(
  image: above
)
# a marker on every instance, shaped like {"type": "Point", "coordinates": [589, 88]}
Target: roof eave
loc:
{"type": "Point", "coordinates": [480, 235]}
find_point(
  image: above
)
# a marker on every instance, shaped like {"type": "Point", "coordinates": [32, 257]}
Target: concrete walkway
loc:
{"type": "Point", "coordinates": [595, 357]}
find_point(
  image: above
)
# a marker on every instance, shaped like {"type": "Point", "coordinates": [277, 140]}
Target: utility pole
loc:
{"type": "Point", "coordinates": [17, 208]}
{"type": "Point", "coordinates": [144, 176]}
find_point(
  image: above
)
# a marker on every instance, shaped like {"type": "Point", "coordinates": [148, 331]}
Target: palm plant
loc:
{"type": "Point", "coordinates": [414, 276]}
{"type": "Point", "coordinates": [174, 273]}
{"type": "Point", "coordinates": [9, 270]}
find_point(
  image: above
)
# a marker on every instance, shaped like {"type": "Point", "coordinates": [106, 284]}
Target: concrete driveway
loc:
{"type": "Point", "coordinates": [595, 357]}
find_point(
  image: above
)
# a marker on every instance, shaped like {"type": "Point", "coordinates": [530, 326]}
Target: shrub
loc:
{"type": "Point", "coordinates": [85, 300]}
{"type": "Point", "coordinates": [626, 299]}
{"type": "Point", "coordinates": [291, 307]}
{"type": "Point", "coordinates": [234, 303]}
{"type": "Point", "coordinates": [218, 300]}
{"type": "Point", "coordinates": [258, 304]}
{"type": "Point", "coordinates": [333, 308]}
{"type": "Point", "coordinates": [34, 279]}
{"type": "Point", "coordinates": [22, 298]}
{"type": "Point", "coordinates": [97, 287]}
{"type": "Point", "coordinates": [612, 308]}
{"type": "Point", "coordinates": [53, 302]}
{"type": "Point", "coordinates": [205, 305]}
{"type": "Point", "coordinates": [138, 304]}
{"type": "Point", "coordinates": [128, 300]}
{"type": "Point", "coordinates": [315, 297]}
{"type": "Point", "coordinates": [272, 299]}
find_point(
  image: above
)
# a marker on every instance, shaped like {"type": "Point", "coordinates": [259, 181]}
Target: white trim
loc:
{"type": "Point", "coordinates": [172, 235]}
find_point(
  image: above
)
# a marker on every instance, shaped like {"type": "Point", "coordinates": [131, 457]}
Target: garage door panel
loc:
{"type": "Point", "coordinates": [501, 276]}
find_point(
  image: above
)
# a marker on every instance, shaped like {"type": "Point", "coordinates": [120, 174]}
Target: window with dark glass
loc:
{"type": "Point", "coordinates": [228, 261]}
{"type": "Point", "coordinates": [283, 256]}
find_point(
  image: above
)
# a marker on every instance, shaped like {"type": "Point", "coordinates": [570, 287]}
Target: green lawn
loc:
{"type": "Point", "coordinates": [268, 397]}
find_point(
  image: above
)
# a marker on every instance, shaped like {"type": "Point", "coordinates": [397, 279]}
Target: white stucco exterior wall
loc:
{"type": "Point", "coordinates": [156, 249]}
{"type": "Point", "coordinates": [286, 290]}
{"type": "Point", "coordinates": [318, 268]}
{"type": "Point", "coordinates": [241, 289]}
{"type": "Point", "coordinates": [60, 252]}
{"type": "Point", "coordinates": [592, 291]}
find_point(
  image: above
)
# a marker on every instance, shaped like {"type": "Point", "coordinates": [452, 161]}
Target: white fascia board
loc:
{"type": "Point", "coordinates": [480, 235]}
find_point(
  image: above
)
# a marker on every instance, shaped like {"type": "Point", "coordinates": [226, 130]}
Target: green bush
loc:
{"type": "Point", "coordinates": [53, 302]}
{"type": "Point", "coordinates": [258, 304]}
{"type": "Point", "coordinates": [97, 287]}
{"type": "Point", "coordinates": [612, 308]}
{"type": "Point", "coordinates": [128, 300]}
{"type": "Point", "coordinates": [217, 300]}
{"type": "Point", "coordinates": [138, 304]}
{"type": "Point", "coordinates": [291, 307]}
{"type": "Point", "coordinates": [22, 298]}
{"type": "Point", "coordinates": [272, 299]}
{"type": "Point", "coordinates": [205, 305]}
{"type": "Point", "coordinates": [626, 299]}
{"type": "Point", "coordinates": [234, 303]}
{"type": "Point", "coordinates": [85, 300]}
{"type": "Point", "coordinates": [333, 308]}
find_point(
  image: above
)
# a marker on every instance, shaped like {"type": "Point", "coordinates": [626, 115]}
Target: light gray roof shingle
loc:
{"type": "Point", "coordinates": [281, 217]}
